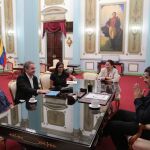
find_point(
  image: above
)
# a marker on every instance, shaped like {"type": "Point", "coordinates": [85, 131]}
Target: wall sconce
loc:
{"type": "Point", "coordinates": [69, 41]}
{"type": "Point", "coordinates": [10, 32]}
{"type": "Point", "coordinates": [135, 30]}
{"type": "Point", "coordinates": [90, 31]}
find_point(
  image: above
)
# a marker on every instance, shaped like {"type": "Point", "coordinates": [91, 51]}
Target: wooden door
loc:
{"type": "Point", "coordinates": [54, 47]}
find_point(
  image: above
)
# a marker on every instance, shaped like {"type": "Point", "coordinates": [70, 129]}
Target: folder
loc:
{"type": "Point", "coordinates": [52, 93]}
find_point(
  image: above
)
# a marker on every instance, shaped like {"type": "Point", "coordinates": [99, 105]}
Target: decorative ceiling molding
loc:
{"type": "Point", "coordinates": [53, 13]}
{"type": "Point", "coordinates": [53, 2]}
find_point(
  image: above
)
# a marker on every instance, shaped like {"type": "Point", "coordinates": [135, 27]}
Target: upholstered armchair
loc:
{"type": "Point", "coordinates": [9, 69]}
{"type": "Point", "coordinates": [66, 62]}
{"type": "Point", "coordinates": [90, 76]}
{"type": "Point", "coordinates": [45, 80]}
{"type": "Point", "coordinates": [43, 67]}
{"type": "Point", "coordinates": [12, 88]}
{"type": "Point", "coordinates": [55, 61]}
{"type": "Point", "coordinates": [138, 143]}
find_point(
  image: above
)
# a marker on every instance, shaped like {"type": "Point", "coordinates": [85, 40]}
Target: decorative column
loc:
{"type": "Point", "coordinates": [90, 25]}
{"type": "Point", "coordinates": [135, 26]}
{"type": "Point", "coordinates": [27, 22]}
{"type": "Point", "coordinates": [9, 26]}
{"type": "Point", "coordinates": [76, 32]}
{"type": "Point", "coordinates": [76, 113]}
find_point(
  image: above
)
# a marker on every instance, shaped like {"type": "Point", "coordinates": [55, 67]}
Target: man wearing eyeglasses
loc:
{"type": "Point", "coordinates": [125, 123]}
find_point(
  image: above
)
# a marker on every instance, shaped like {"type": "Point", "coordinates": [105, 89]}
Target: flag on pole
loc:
{"type": "Point", "coordinates": [2, 54]}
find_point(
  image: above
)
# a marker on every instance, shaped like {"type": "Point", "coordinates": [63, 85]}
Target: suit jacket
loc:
{"type": "Point", "coordinates": [24, 90]}
{"type": "Point", "coordinates": [142, 106]}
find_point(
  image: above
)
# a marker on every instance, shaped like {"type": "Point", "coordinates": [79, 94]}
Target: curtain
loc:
{"type": "Point", "coordinates": [54, 27]}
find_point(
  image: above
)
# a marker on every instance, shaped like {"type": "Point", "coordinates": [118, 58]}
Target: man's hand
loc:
{"type": "Point", "coordinates": [137, 91]}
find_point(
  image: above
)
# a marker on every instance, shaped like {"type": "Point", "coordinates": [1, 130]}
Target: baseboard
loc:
{"type": "Point", "coordinates": [133, 74]}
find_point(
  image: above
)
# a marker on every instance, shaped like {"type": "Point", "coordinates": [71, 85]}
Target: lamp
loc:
{"type": "Point", "coordinates": [135, 28]}
{"type": "Point", "coordinates": [89, 31]}
{"type": "Point", "coordinates": [69, 41]}
{"type": "Point", "coordinates": [10, 32]}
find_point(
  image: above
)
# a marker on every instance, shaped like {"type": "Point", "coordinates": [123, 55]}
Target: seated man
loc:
{"type": "Point", "coordinates": [59, 77]}
{"type": "Point", "coordinates": [125, 123]}
{"type": "Point", "coordinates": [27, 84]}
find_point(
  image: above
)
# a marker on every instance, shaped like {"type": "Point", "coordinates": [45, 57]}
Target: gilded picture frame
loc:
{"type": "Point", "coordinates": [112, 25]}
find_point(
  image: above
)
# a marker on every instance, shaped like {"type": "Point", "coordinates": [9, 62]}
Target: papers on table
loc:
{"type": "Point", "coordinates": [71, 82]}
{"type": "Point", "coordinates": [104, 97]}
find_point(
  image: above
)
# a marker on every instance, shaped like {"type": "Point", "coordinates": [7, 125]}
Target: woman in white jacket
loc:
{"type": "Point", "coordinates": [109, 76]}
{"type": "Point", "coordinates": [109, 73]}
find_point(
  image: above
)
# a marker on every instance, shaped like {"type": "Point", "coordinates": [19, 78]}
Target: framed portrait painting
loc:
{"type": "Point", "coordinates": [112, 21]}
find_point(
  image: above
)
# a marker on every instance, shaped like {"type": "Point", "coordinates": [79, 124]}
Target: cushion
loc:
{"type": "Point", "coordinates": [45, 80]}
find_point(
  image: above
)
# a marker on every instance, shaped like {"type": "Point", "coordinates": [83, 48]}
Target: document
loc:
{"type": "Point", "coordinates": [104, 97]}
{"type": "Point", "coordinates": [71, 82]}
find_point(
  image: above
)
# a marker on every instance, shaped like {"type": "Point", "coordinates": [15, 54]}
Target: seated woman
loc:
{"type": "Point", "coordinates": [59, 77]}
{"type": "Point", "coordinates": [109, 73]}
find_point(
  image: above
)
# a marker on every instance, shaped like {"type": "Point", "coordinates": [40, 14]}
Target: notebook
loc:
{"type": "Point", "coordinates": [52, 93]}
{"type": "Point", "coordinates": [71, 82]}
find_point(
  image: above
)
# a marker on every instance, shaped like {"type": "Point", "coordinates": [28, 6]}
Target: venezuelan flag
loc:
{"type": "Point", "coordinates": [2, 54]}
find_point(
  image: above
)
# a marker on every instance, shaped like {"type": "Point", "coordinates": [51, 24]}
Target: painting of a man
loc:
{"type": "Point", "coordinates": [111, 38]}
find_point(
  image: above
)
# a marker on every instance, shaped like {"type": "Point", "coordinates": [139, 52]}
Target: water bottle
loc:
{"type": "Point", "coordinates": [90, 87]}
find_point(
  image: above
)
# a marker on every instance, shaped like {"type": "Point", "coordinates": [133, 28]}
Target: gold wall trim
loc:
{"type": "Point", "coordinates": [9, 26]}
{"type": "Point", "coordinates": [0, 23]}
{"type": "Point", "coordinates": [90, 25]}
{"type": "Point", "coordinates": [53, 2]}
{"type": "Point", "coordinates": [135, 26]}
{"type": "Point", "coordinates": [56, 118]}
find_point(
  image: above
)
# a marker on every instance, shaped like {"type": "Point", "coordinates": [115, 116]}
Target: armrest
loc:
{"type": "Point", "coordinates": [133, 138]}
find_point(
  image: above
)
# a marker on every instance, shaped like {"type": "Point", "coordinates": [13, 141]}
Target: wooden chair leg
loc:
{"type": "Point", "coordinates": [117, 104]}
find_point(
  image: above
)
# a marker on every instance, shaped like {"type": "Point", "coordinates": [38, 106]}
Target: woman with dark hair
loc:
{"type": "Point", "coordinates": [59, 76]}
{"type": "Point", "coordinates": [109, 73]}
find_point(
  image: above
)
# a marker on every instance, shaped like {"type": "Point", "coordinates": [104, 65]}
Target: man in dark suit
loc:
{"type": "Point", "coordinates": [27, 84]}
{"type": "Point", "coordinates": [125, 122]}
